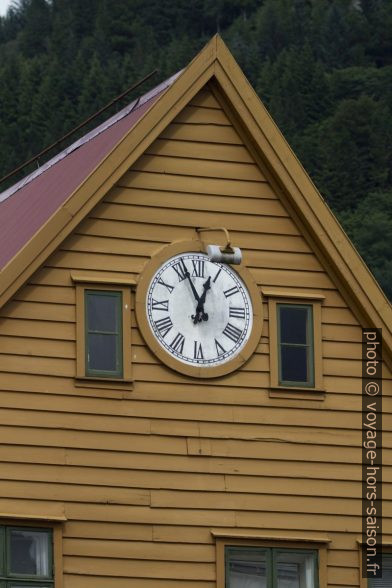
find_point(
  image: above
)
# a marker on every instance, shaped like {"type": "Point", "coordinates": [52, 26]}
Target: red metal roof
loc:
{"type": "Point", "coordinates": [26, 206]}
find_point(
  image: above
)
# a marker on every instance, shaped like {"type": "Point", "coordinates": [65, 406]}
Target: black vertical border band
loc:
{"type": "Point", "coordinates": [371, 453]}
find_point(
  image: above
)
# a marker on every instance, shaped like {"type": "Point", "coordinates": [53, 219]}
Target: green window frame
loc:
{"type": "Point", "coordinates": [17, 578]}
{"type": "Point", "coordinates": [268, 564]}
{"type": "Point", "coordinates": [96, 335]}
{"type": "Point", "coordinates": [295, 346]}
{"type": "Point", "coordinates": [386, 580]}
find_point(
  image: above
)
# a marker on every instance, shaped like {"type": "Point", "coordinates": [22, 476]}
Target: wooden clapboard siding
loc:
{"type": "Point", "coordinates": [144, 477]}
{"type": "Point", "coordinates": [76, 581]}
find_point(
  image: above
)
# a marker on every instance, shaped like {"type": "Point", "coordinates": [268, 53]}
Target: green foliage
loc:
{"type": "Point", "coordinates": [370, 228]}
{"type": "Point", "coordinates": [354, 157]}
{"type": "Point", "coordinates": [295, 89]}
{"type": "Point", "coordinates": [323, 68]}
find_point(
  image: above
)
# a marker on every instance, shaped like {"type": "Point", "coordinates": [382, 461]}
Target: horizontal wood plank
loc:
{"type": "Point", "coordinates": [164, 164]}
{"type": "Point", "coordinates": [171, 182]}
{"type": "Point", "coordinates": [210, 151]}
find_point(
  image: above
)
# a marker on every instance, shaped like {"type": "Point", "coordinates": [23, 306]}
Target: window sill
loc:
{"type": "Point", "coordinates": [296, 393]}
{"type": "Point", "coordinates": [104, 383]}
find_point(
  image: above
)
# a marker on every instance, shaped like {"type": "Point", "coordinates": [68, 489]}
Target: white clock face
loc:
{"type": "Point", "coordinates": [200, 312]}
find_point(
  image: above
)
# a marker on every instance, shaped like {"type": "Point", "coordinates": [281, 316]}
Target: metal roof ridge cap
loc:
{"type": "Point", "coordinates": [138, 102]}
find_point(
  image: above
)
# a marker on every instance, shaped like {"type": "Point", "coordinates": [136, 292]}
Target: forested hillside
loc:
{"type": "Point", "coordinates": [323, 68]}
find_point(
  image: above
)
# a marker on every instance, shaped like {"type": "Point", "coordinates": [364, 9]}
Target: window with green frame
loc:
{"type": "Point", "coordinates": [270, 567]}
{"type": "Point", "coordinates": [295, 345]}
{"type": "Point", "coordinates": [386, 580]}
{"type": "Point", "coordinates": [26, 557]}
{"type": "Point", "coordinates": [103, 333]}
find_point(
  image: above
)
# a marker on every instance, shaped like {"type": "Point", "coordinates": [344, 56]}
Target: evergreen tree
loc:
{"type": "Point", "coordinates": [295, 89]}
{"type": "Point", "coordinates": [34, 38]}
{"type": "Point", "coordinates": [369, 225]}
{"type": "Point", "coordinates": [354, 157]}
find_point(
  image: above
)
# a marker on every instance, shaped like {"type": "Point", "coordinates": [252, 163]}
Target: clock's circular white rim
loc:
{"type": "Point", "coordinates": [184, 365]}
{"type": "Point", "coordinates": [228, 315]}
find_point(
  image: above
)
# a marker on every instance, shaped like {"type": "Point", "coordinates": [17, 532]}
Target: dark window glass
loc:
{"type": "Point", "coordinates": [288, 575]}
{"type": "Point", "coordinates": [294, 364]}
{"type": "Point", "coordinates": [102, 352]}
{"type": "Point", "coordinates": [253, 567]}
{"type": "Point", "coordinates": [103, 333]}
{"type": "Point", "coordinates": [246, 567]}
{"type": "Point", "coordinates": [102, 312]}
{"type": "Point", "coordinates": [293, 325]}
{"type": "Point", "coordinates": [26, 556]}
{"type": "Point", "coordinates": [295, 345]}
{"type": "Point", "coordinates": [386, 580]}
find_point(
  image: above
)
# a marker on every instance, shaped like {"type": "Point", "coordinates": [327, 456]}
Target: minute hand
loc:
{"type": "Point", "coordinates": [195, 294]}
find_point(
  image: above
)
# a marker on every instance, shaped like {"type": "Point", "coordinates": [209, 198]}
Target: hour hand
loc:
{"type": "Point", "coordinates": [206, 286]}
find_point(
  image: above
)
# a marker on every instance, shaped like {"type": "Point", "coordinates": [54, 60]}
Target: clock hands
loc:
{"type": "Point", "coordinates": [200, 314]}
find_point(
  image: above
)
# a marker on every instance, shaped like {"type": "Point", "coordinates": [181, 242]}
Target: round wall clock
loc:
{"type": "Point", "coordinates": [201, 318]}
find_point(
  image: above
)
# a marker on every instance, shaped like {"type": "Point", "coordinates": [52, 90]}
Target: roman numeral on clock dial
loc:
{"type": "Point", "coordinates": [160, 304]}
{"type": "Point", "coordinates": [198, 351]}
{"type": "Point", "coordinates": [219, 349]}
{"type": "Point", "coordinates": [230, 291]}
{"type": "Point", "coordinates": [178, 343]}
{"type": "Point", "coordinates": [181, 270]}
{"type": "Point", "coordinates": [237, 312]}
{"type": "Point", "coordinates": [198, 268]}
{"type": "Point", "coordinates": [217, 274]}
{"type": "Point", "coordinates": [232, 332]}
{"type": "Point", "coordinates": [164, 325]}
{"type": "Point", "coordinates": [168, 286]}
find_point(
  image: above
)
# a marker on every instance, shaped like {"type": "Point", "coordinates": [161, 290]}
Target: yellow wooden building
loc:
{"type": "Point", "coordinates": [168, 420]}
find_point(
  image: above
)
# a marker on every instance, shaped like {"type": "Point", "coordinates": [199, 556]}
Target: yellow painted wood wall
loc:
{"type": "Point", "coordinates": [144, 476]}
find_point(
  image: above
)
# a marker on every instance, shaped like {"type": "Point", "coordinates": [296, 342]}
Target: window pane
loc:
{"type": "Point", "coordinates": [29, 552]}
{"type": "Point", "coordinates": [247, 568]}
{"type": "Point", "coordinates": [2, 552]}
{"type": "Point", "coordinates": [295, 570]}
{"type": "Point", "coordinates": [294, 364]}
{"type": "Point", "coordinates": [102, 352]}
{"type": "Point", "coordinates": [288, 575]}
{"type": "Point", "coordinates": [293, 324]}
{"type": "Point", "coordinates": [386, 580]}
{"type": "Point", "coordinates": [102, 312]}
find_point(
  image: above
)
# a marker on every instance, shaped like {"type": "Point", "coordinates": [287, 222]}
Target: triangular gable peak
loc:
{"type": "Point", "coordinates": [216, 67]}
